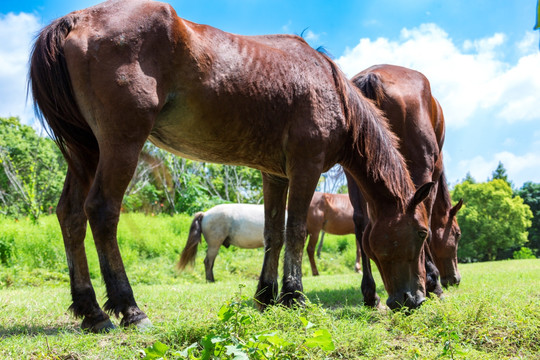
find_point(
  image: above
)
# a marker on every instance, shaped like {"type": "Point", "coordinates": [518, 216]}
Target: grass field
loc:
{"type": "Point", "coordinates": [494, 314]}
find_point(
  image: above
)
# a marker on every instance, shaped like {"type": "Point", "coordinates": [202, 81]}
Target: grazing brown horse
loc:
{"type": "Point", "coordinates": [416, 118]}
{"type": "Point", "coordinates": [331, 213]}
{"type": "Point", "coordinates": [107, 78]}
{"type": "Point", "coordinates": [445, 234]}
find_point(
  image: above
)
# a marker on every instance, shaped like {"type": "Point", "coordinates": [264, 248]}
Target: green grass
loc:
{"type": "Point", "coordinates": [494, 314]}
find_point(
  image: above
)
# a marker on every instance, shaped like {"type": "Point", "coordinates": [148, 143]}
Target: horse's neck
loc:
{"type": "Point", "coordinates": [379, 196]}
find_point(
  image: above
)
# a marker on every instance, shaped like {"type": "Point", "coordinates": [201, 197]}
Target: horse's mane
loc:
{"type": "Point", "coordinates": [444, 191]}
{"type": "Point", "coordinates": [373, 140]}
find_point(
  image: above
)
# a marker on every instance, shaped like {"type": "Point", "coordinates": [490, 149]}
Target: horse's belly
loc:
{"type": "Point", "coordinates": [248, 242]}
{"type": "Point", "coordinates": [248, 230]}
{"type": "Point", "coordinates": [218, 142]}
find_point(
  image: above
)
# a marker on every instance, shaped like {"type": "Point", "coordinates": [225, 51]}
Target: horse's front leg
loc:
{"type": "Point", "coordinates": [369, 290]}
{"type": "Point", "coordinates": [362, 228]}
{"type": "Point", "coordinates": [302, 186]}
{"type": "Point", "coordinates": [73, 224]}
{"type": "Point", "coordinates": [115, 168]}
{"type": "Point", "coordinates": [275, 195]}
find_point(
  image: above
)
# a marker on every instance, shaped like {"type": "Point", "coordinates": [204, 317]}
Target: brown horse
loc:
{"type": "Point", "coordinates": [416, 118]}
{"type": "Point", "coordinates": [107, 78]}
{"type": "Point", "coordinates": [331, 213]}
{"type": "Point", "coordinates": [445, 234]}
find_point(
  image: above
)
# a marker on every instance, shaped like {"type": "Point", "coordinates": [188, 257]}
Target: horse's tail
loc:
{"type": "Point", "coordinates": [371, 87]}
{"type": "Point", "coordinates": [194, 238]}
{"type": "Point", "coordinates": [54, 99]}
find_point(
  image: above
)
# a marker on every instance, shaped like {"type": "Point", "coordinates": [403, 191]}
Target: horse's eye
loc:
{"type": "Point", "coordinates": [423, 234]}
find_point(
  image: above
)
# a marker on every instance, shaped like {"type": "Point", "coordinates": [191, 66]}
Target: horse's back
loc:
{"type": "Point", "coordinates": [414, 116]}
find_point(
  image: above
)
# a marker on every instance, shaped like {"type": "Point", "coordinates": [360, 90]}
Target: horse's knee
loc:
{"type": "Point", "coordinates": [296, 236]}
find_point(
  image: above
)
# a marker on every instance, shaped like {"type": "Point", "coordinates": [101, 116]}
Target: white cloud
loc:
{"type": "Point", "coordinates": [520, 168]}
{"type": "Point", "coordinates": [465, 79]}
{"type": "Point", "coordinates": [311, 36]}
{"type": "Point", "coordinates": [17, 32]}
{"type": "Point", "coordinates": [529, 43]}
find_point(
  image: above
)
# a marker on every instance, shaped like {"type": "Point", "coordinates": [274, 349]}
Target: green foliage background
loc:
{"type": "Point", "coordinates": [492, 219]}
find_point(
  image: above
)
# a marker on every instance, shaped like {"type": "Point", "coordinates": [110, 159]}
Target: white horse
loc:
{"type": "Point", "coordinates": [241, 225]}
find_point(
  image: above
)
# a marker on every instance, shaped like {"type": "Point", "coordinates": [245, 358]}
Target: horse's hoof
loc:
{"type": "Point", "coordinates": [143, 325]}
{"type": "Point", "coordinates": [265, 296]}
{"type": "Point", "coordinates": [291, 299]}
{"type": "Point", "coordinates": [103, 326]}
{"type": "Point", "coordinates": [141, 322]}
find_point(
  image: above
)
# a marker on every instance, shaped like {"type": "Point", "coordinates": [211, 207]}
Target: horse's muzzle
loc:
{"type": "Point", "coordinates": [405, 300]}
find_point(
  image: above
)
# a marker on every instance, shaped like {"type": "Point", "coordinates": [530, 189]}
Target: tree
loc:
{"type": "Point", "coordinates": [500, 173]}
{"type": "Point", "coordinates": [530, 193]}
{"type": "Point", "coordinates": [164, 182]}
{"type": "Point", "coordinates": [469, 178]}
{"type": "Point", "coordinates": [537, 26]}
{"type": "Point", "coordinates": [32, 170]}
{"type": "Point", "coordinates": [491, 220]}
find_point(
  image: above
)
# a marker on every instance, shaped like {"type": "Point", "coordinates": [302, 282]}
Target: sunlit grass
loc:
{"type": "Point", "coordinates": [493, 314]}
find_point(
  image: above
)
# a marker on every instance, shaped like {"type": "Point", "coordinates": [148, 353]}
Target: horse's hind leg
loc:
{"type": "Point", "coordinates": [73, 224]}
{"type": "Point", "coordinates": [209, 260]}
{"type": "Point", "coordinates": [275, 192]}
{"type": "Point", "coordinates": [312, 243]}
{"type": "Point", "coordinates": [117, 163]}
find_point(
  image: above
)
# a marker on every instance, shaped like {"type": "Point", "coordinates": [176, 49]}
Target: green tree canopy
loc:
{"type": "Point", "coordinates": [491, 220]}
{"type": "Point", "coordinates": [530, 193]}
{"type": "Point", "coordinates": [166, 183]}
{"type": "Point", "coordinates": [32, 170]}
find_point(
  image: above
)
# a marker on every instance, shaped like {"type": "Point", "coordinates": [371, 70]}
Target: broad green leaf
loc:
{"type": "Point", "coordinates": [225, 313]}
{"type": "Point", "coordinates": [155, 351]}
{"type": "Point", "coordinates": [307, 324]}
{"type": "Point", "coordinates": [237, 352]}
{"type": "Point", "coordinates": [277, 341]}
{"type": "Point", "coordinates": [322, 339]}
{"type": "Point", "coordinates": [187, 351]}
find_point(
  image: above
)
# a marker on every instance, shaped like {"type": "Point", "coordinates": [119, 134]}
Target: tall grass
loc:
{"type": "Point", "coordinates": [34, 253]}
{"type": "Point", "coordinates": [494, 314]}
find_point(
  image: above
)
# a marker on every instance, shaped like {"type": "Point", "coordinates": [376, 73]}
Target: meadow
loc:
{"type": "Point", "coordinates": [493, 314]}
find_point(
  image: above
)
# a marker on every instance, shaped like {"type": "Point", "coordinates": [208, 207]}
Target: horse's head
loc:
{"type": "Point", "coordinates": [394, 240]}
{"type": "Point", "coordinates": [444, 246]}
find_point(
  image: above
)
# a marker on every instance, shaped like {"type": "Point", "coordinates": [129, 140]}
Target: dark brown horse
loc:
{"type": "Point", "coordinates": [416, 118]}
{"type": "Point", "coordinates": [331, 213]}
{"type": "Point", "coordinates": [108, 78]}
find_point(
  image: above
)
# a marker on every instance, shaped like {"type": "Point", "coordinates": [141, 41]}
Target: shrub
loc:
{"type": "Point", "coordinates": [524, 253]}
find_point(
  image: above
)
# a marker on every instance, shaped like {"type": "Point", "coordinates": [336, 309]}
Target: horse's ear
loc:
{"type": "Point", "coordinates": [422, 193]}
{"type": "Point", "coordinates": [455, 208]}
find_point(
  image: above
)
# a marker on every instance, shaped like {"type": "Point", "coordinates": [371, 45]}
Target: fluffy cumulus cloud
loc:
{"type": "Point", "coordinates": [520, 168]}
{"type": "Point", "coordinates": [16, 34]}
{"type": "Point", "coordinates": [466, 78]}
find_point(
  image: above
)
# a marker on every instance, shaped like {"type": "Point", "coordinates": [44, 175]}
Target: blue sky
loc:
{"type": "Point", "coordinates": [481, 56]}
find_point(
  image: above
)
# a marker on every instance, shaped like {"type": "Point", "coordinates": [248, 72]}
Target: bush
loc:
{"type": "Point", "coordinates": [524, 253]}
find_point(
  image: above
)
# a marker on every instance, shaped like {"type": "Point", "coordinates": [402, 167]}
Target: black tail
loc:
{"type": "Point", "coordinates": [194, 238]}
{"type": "Point", "coordinates": [54, 100]}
